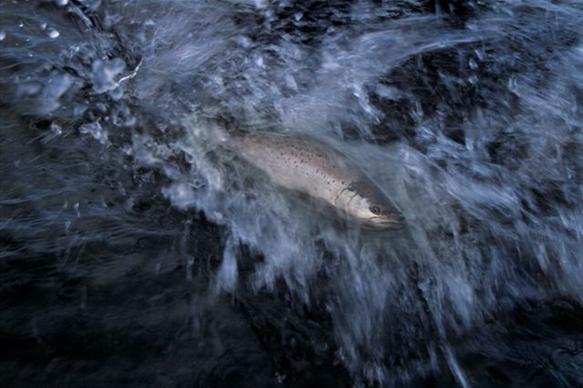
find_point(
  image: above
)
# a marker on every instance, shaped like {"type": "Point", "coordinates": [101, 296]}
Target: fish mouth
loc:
{"type": "Point", "coordinates": [396, 222]}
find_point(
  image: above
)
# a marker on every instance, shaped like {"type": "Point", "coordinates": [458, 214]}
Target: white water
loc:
{"type": "Point", "coordinates": [473, 127]}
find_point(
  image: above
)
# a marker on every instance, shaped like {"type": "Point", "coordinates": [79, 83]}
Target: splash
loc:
{"type": "Point", "coordinates": [469, 121]}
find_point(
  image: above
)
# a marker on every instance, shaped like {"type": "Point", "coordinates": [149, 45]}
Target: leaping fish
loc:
{"type": "Point", "coordinates": [309, 166]}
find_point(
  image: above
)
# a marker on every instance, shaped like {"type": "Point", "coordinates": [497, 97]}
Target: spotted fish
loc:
{"type": "Point", "coordinates": [309, 166]}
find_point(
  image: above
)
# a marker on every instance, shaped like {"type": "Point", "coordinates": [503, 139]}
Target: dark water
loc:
{"type": "Point", "coordinates": [134, 252]}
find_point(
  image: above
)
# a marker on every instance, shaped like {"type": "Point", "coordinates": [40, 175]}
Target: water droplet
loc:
{"type": "Point", "coordinates": [96, 130]}
{"type": "Point", "coordinates": [53, 33]}
{"type": "Point", "coordinates": [479, 54]}
{"type": "Point", "coordinates": [513, 85]}
{"type": "Point", "coordinates": [473, 64]}
{"type": "Point", "coordinates": [56, 128]}
{"type": "Point", "coordinates": [43, 26]}
{"type": "Point", "coordinates": [2, 35]}
{"type": "Point", "coordinates": [61, 3]}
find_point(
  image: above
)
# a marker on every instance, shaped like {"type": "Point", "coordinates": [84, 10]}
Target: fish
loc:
{"type": "Point", "coordinates": [309, 166]}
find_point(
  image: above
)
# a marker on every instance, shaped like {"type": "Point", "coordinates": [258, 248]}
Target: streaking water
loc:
{"type": "Point", "coordinates": [468, 117]}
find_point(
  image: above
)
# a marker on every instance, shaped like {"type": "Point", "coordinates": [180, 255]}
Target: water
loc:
{"type": "Point", "coordinates": [135, 250]}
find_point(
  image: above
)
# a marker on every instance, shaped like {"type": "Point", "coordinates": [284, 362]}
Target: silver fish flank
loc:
{"type": "Point", "coordinates": [309, 166]}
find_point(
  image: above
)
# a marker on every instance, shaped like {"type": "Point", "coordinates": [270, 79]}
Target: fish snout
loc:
{"type": "Point", "coordinates": [394, 216]}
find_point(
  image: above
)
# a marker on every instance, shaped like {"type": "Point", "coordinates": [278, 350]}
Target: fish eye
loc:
{"type": "Point", "coordinates": [375, 209]}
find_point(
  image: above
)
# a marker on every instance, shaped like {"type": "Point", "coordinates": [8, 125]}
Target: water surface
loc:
{"type": "Point", "coordinates": [136, 252]}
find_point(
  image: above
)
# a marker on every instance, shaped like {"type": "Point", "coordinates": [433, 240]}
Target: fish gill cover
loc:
{"type": "Point", "coordinates": [134, 251]}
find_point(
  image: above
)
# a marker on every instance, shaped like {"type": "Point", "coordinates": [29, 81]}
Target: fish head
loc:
{"type": "Point", "coordinates": [371, 207]}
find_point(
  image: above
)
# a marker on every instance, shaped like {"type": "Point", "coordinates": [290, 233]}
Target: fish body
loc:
{"type": "Point", "coordinates": [309, 166]}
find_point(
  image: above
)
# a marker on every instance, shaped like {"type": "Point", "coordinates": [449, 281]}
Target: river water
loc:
{"type": "Point", "coordinates": [134, 251]}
